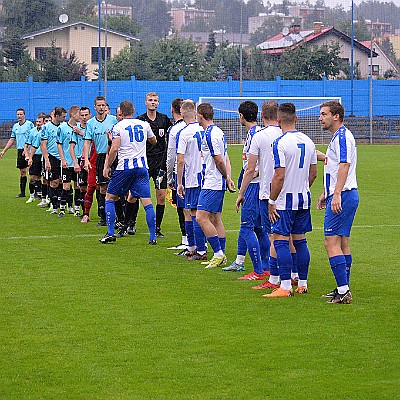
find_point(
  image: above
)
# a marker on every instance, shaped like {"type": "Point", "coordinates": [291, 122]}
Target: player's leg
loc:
{"type": "Point", "coordinates": [295, 272]}
{"type": "Point", "coordinates": [22, 165]}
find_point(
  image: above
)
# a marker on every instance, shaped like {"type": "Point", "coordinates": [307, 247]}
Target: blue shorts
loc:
{"type": "Point", "coordinates": [135, 180]}
{"type": "Point", "coordinates": [297, 222]}
{"type": "Point", "coordinates": [192, 197]}
{"type": "Point", "coordinates": [250, 215]}
{"type": "Point", "coordinates": [211, 200]}
{"type": "Point", "coordinates": [266, 223]}
{"type": "Point", "coordinates": [340, 224]}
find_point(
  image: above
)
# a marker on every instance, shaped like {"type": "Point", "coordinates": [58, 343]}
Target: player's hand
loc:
{"type": "Point", "coordinates": [1, 154]}
{"type": "Point", "coordinates": [239, 201]}
{"type": "Point", "coordinates": [160, 178]}
{"type": "Point", "coordinates": [29, 162]}
{"type": "Point", "coordinates": [272, 213]}
{"type": "Point", "coordinates": [107, 172]}
{"type": "Point", "coordinates": [231, 185]}
{"type": "Point", "coordinates": [321, 202]}
{"type": "Point", "coordinates": [336, 204]}
{"type": "Point", "coordinates": [47, 165]}
{"type": "Point", "coordinates": [64, 164]}
{"type": "Point", "coordinates": [180, 190]}
{"type": "Point", "coordinates": [77, 168]}
{"type": "Point", "coordinates": [87, 166]}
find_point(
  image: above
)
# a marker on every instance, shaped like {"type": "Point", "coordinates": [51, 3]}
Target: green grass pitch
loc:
{"type": "Point", "coordinates": [81, 320]}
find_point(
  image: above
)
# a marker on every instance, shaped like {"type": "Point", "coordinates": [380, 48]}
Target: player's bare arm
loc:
{"type": "Point", "coordinates": [247, 178]}
{"type": "Point", "coordinates": [276, 187]}
{"type": "Point", "coordinates": [336, 204]}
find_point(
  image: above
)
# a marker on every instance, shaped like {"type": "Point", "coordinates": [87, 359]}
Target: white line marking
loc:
{"type": "Point", "coordinates": [171, 233]}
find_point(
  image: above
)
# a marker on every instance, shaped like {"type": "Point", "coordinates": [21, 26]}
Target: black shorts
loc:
{"type": "Point", "coordinates": [82, 175]}
{"type": "Point", "coordinates": [153, 174]}
{"type": "Point", "coordinates": [21, 162]}
{"type": "Point", "coordinates": [100, 178]}
{"type": "Point", "coordinates": [55, 172]}
{"type": "Point", "coordinates": [36, 168]}
{"type": "Point", "coordinates": [68, 174]}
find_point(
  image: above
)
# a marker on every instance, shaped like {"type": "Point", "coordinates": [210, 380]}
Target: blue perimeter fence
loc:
{"type": "Point", "coordinates": [35, 97]}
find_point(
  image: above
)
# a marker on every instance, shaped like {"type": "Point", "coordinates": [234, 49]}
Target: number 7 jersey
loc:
{"type": "Point", "coordinates": [295, 152]}
{"type": "Point", "coordinates": [133, 134]}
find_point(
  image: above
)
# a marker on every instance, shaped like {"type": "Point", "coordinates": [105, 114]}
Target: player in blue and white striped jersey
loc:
{"type": "Point", "coordinates": [295, 162]}
{"type": "Point", "coordinates": [217, 179]}
{"type": "Point", "coordinates": [340, 198]}
{"type": "Point", "coordinates": [129, 138]}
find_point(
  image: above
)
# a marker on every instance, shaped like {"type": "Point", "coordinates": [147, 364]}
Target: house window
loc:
{"type": "Point", "coordinates": [41, 52]}
{"type": "Point", "coordinates": [95, 53]}
{"type": "Point", "coordinates": [82, 28]}
{"type": "Point", "coordinates": [375, 70]}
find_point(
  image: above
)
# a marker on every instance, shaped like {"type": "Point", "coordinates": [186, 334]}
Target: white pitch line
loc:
{"type": "Point", "coordinates": [146, 233]}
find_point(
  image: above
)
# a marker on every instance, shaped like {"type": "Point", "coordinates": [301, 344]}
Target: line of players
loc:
{"type": "Point", "coordinates": [279, 168]}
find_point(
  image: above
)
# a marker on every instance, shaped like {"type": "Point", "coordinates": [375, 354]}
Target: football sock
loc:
{"type": "Point", "coordinates": [119, 209]}
{"type": "Point", "coordinates": [159, 215]}
{"type": "Point", "coordinates": [38, 188]}
{"type": "Point", "coordinates": [181, 218]}
{"type": "Point", "coordinates": [294, 268]}
{"type": "Point", "coordinates": [102, 203]}
{"type": "Point", "coordinates": [135, 211]}
{"type": "Point", "coordinates": [70, 197]}
{"type": "Point", "coordinates": [215, 245]}
{"type": "Point", "coordinates": [240, 259]}
{"type": "Point", "coordinates": [349, 261]}
{"type": "Point", "coordinates": [303, 258]}
{"type": "Point", "coordinates": [22, 184]}
{"type": "Point", "coordinates": [241, 246]}
{"type": "Point", "coordinates": [253, 247]}
{"type": "Point", "coordinates": [53, 197]}
{"type": "Point", "coordinates": [98, 203]}
{"type": "Point", "coordinates": [59, 193]}
{"type": "Point", "coordinates": [88, 200]}
{"type": "Point", "coordinates": [110, 216]}
{"type": "Point", "coordinates": [45, 191]}
{"type": "Point", "coordinates": [338, 265]}
{"type": "Point", "coordinates": [31, 188]}
{"type": "Point", "coordinates": [285, 261]}
{"type": "Point", "coordinates": [264, 244]}
{"type": "Point", "coordinates": [63, 200]}
{"type": "Point", "coordinates": [274, 270]}
{"type": "Point", "coordinates": [199, 236]}
{"type": "Point", "coordinates": [77, 198]}
{"type": "Point", "coordinates": [128, 213]}
{"type": "Point", "coordinates": [222, 243]}
{"type": "Point", "coordinates": [190, 233]}
{"type": "Point", "coordinates": [151, 220]}
{"type": "Point", "coordinates": [184, 240]}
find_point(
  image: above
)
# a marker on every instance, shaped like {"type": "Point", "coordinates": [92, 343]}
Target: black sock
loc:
{"type": "Point", "coordinates": [98, 202]}
{"type": "Point", "coordinates": [129, 207]}
{"type": "Point", "coordinates": [45, 191]}
{"type": "Point", "coordinates": [135, 211]}
{"type": "Point", "coordinates": [22, 184]}
{"type": "Point", "coordinates": [53, 197]}
{"type": "Point", "coordinates": [119, 210]}
{"type": "Point", "coordinates": [59, 191]}
{"type": "Point", "coordinates": [181, 218]}
{"type": "Point", "coordinates": [77, 198]}
{"type": "Point", "coordinates": [102, 205]}
{"type": "Point", "coordinates": [31, 187]}
{"type": "Point", "coordinates": [63, 200]}
{"type": "Point", "coordinates": [70, 197]}
{"type": "Point", "coordinates": [38, 188]}
{"type": "Point", "coordinates": [159, 215]}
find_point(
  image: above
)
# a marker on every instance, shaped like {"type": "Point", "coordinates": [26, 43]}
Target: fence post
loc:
{"type": "Point", "coordinates": [31, 97]}
{"type": "Point", "coordinates": [83, 98]}
{"type": "Point", "coordinates": [278, 86]}
{"type": "Point", "coordinates": [324, 86]}
{"type": "Point", "coordinates": [181, 85]}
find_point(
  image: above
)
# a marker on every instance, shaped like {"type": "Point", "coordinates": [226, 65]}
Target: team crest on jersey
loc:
{"type": "Point", "coordinates": [161, 132]}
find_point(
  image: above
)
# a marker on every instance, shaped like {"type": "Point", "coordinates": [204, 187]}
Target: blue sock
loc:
{"type": "Point", "coordinates": [241, 247]}
{"type": "Point", "coordinates": [303, 258]}
{"type": "Point", "coordinates": [222, 243]}
{"type": "Point", "coordinates": [338, 265]}
{"type": "Point", "coordinates": [285, 261]}
{"type": "Point", "coordinates": [110, 216]}
{"type": "Point", "coordinates": [294, 259]}
{"type": "Point", "coordinates": [349, 261]}
{"type": "Point", "coordinates": [151, 220]}
{"type": "Point", "coordinates": [199, 236]}
{"type": "Point", "coordinates": [273, 266]}
{"type": "Point", "coordinates": [190, 233]}
{"type": "Point", "coordinates": [253, 247]}
{"type": "Point", "coordinates": [215, 244]}
{"type": "Point", "coordinates": [264, 243]}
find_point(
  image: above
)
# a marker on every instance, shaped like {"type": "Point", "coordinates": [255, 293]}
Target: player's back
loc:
{"type": "Point", "coordinates": [294, 151]}
{"type": "Point", "coordinates": [133, 134]}
{"type": "Point", "coordinates": [189, 143]}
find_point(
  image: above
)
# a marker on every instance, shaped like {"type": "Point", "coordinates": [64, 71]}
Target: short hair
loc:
{"type": "Point", "coordinates": [59, 111]}
{"type": "Point", "coordinates": [269, 110]}
{"type": "Point", "coordinates": [84, 108]}
{"type": "Point", "coordinates": [126, 108]}
{"type": "Point", "coordinates": [335, 108]}
{"type": "Point", "coordinates": [249, 110]}
{"type": "Point", "coordinates": [99, 98]}
{"type": "Point", "coordinates": [287, 112]}
{"type": "Point", "coordinates": [42, 114]}
{"type": "Point", "coordinates": [176, 105]}
{"type": "Point", "coordinates": [151, 94]}
{"type": "Point", "coordinates": [188, 108]}
{"type": "Point", "coordinates": [21, 109]}
{"type": "Point", "coordinates": [73, 109]}
{"type": "Point", "coordinates": [206, 110]}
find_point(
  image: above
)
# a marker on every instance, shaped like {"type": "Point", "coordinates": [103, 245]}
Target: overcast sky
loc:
{"type": "Point", "coordinates": [332, 3]}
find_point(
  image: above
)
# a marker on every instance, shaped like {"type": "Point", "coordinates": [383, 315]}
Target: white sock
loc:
{"type": "Point", "coordinates": [294, 275]}
{"type": "Point", "coordinates": [192, 248]}
{"type": "Point", "coordinates": [343, 289]}
{"type": "Point", "coordinates": [286, 284]}
{"type": "Point", "coordinates": [219, 254]}
{"type": "Point", "coordinates": [274, 279]}
{"type": "Point", "coordinates": [240, 259]}
{"type": "Point", "coordinates": [303, 282]}
{"type": "Point", "coordinates": [184, 240]}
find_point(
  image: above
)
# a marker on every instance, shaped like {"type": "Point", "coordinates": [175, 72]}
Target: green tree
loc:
{"type": "Point", "coordinates": [21, 16]}
{"type": "Point", "coordinates": [259, 66]}
{"type": "Point", "coordinates": [271, 27]}
{"type": "Point", "coordinates": [78, 11]}
{"type": "Point", "coordinates": [310, 63]}
{"type": "Point", "coordinates": [21, 72]}
{"type": "Point", "coordinates": [123, 24]}
{"type": "Point", "coordinates": [211, 47]}
{"type": "Point", "coordinates": [361, 32]}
